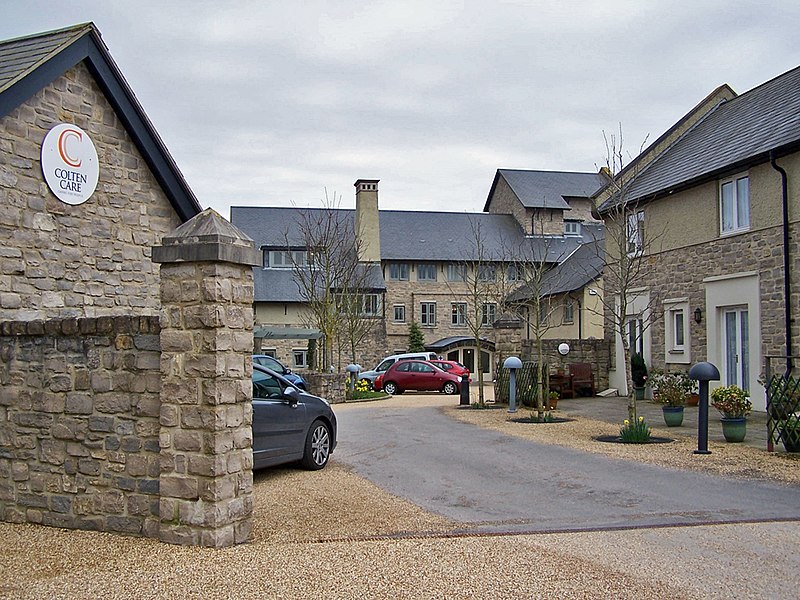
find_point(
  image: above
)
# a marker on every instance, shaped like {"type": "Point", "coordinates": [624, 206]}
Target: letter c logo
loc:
{"type": "Point", "coordinates": [63, 139]}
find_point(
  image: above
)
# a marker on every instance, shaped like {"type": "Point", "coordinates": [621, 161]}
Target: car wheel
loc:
{"type": "Point", "coordinates": [450, 388]}
{"type": "Point", "coordinates": [318, 446]}
{"type": "Point", "coordinates": [390, 388]}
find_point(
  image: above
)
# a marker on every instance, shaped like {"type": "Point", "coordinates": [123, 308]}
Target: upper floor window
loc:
{"type": "Point", "coordinates": [572, 228]}
{"type": "Point", "coordinates": [635, 232]}
{"type": "Point", "coordinates": [569, 310]}
{"type": "Point", "coordinates": [426, 272]}
{"type": "Point", "coordinates": [427, 314]}
{"type": "Point", "coordinates": [515, 272]}
{"type": "Point", "coordinates": [456, 272]}
{"type": "Point", "coordinates": [489, 314]}
{"type": "Point", "coordinates": [734, 195]}
{"type": "Point", "coordinates": [458, 314]}
{"type": "Point", "coordinates": [398, 271]}
{"type": "Point", "coordinates": [284, 259]}
{"type": "Point", "coordinates": [399, 313]}
{"type": "Point", "coordinates": [487, 272]}
{"type": "Point", "coordinates": [371, 305]}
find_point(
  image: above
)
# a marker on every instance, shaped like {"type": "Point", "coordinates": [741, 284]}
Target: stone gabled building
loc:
{"type": "Point", "coordinates": [423, 260]}
{"type": "Point", "coordinates": [72, 256]}
{"type": "Point", "coordinates": [720, 191]}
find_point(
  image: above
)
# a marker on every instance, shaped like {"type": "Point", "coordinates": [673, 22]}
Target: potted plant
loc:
{"type": "Point", "coordinates": [638, 375]}
{"type": "Point", "coordinates": [552, 401]}
{"type": "Point", "coordinates": [669, 390]}
{"type": "Point", "coordinates": [690, 389]}
{"type": "Point", "coordinates": [733, 403]}
{"type": "Point", "coordinates": [790, 433]}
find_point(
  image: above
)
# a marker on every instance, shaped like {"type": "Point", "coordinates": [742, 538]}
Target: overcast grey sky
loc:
{"type": "Point", "coordinates": [268, 103]}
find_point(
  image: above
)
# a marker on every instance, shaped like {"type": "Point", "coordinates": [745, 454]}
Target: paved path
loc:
{"type": "Point", "coordinates": [497, 483]}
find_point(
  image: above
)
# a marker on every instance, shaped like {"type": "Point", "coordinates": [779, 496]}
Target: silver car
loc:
{"type": "Point", "coordinates": [288, 424]}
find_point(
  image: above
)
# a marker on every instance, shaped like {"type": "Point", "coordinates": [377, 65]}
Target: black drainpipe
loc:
{"type": "Point", "coordinates": [787, 286]}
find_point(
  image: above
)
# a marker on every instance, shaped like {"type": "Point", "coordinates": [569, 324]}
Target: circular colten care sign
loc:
{"type": "Point", "coordinates": [69, 163]}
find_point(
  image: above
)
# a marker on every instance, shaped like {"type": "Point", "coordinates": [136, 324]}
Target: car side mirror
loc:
{"type": "Point", "coordinates": [292, 395]}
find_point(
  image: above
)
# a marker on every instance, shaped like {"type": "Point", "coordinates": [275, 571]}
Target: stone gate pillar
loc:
{"type": "Point", "coordinates": [206, 414]}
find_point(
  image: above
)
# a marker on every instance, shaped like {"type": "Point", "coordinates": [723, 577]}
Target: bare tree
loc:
{"type": "Point", "coordinates": [324, 253]}
{"type": "Point", "coordinates": [628, 306]}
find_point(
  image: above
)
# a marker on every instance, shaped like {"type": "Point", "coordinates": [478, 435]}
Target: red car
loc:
{"type": "Point", "coordinates": [451, 366]}
{"type": "Point", "coordinates": [419, 375]}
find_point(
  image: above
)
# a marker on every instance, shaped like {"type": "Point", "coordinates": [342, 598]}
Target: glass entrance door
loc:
{"type": "Point", "coordinates": [736, 345]}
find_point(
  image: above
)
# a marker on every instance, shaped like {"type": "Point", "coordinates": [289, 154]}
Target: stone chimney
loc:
{"type": "Point", "coordinates": [368, 227]}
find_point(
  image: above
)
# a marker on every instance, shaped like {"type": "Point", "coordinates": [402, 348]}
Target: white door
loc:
{"type": "Point", "coordinates": [735, 327]}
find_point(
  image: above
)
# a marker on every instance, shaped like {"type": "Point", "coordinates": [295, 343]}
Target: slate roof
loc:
{"type": "Point", "coordinates": [419, 235]}
{"type": "Point", "coordinates": [736, 134]}
{"type": "Point", "coordinates": [30, 63]}
{"type": "Point", "coordinates": [578, 270]}
{"type": "Point", "coordinates": [547, 189]}
{"type": "Point", "coordinates": [412, 236]}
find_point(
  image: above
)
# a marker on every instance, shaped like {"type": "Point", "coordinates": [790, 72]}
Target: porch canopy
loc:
{"type": "Point", "coordinates": [459, 341]}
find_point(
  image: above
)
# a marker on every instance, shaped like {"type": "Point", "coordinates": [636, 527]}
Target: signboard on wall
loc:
{"type": "Point", "coordinates": [69, 163]}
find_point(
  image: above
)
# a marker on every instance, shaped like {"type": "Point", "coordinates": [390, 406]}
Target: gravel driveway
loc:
{"type": "Point", "coordinates": [333, 534]}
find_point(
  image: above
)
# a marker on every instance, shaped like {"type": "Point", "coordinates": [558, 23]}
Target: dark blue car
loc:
{"type": "Point", "coordinates": [273, 363]}
{"type": "Point", "coordinates": [288, 424]}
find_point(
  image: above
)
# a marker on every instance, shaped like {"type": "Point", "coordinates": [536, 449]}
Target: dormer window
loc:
{"type": "Point", "coordinates": [284, 259]}
{"type": "Point", "coordinates": [572, 227]}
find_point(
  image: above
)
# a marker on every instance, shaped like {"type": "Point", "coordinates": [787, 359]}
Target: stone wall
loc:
{"type": "Point", "coordinates": [79, 423]}
{"type": "Point", "coordinates": [60, 260]}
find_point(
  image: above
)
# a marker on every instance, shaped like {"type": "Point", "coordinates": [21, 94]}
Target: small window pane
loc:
{"type": "Point", "coordinates": [727, 207]}
{"type": "Point", "coordinates": [743, 201]}
{"type": "Point", "coordinates": [400, 313]}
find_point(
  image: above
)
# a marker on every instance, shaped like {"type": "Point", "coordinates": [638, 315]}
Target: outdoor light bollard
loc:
{"type": "Point", "coordinates": [512, 363]}
{"type": "Point", "coordinates": [352, 375]}
{"type": "Point", "coordinates": [703, 372]}
{"type": "Point", "coordinates": [464, 391]}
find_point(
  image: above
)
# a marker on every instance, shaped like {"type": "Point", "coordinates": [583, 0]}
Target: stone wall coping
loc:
{"type": "Point", "coordinates": [82, 326]}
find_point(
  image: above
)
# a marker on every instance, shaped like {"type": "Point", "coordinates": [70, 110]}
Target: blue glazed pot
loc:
{"type": "Point", "coordinates": [673, 415]}
{"type": "Point", "coordinates": [734, 428]}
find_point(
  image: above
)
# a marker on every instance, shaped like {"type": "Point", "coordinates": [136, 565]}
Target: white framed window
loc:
{"type": "Point", "coordinates": [677, 331]}
{"type": "Point", "coordinates": [285, 259]}
{"type": "Point", "coordinates": [634, 329]}
{"type": "Point", "coordinates": [427, 314]}
{"type": "Point", "coordinates": [273, 352]}
{"type": "Point", "coordinates": [398, 271]}
{"type": "Point", "coordinates": [300, 358]}
{"type": "Point", "coordinates": [734, 199]}
{"type": "Point", "coordinates": [572, 228]}
{"type": "Point", "coordinates": [399, 313]}
{"type": "Point", "coordinates": [426, 272]}
{"type": "Point", "coordinates": [371, 305]}
{"type": "Point", "coordinates": [635, 232]}
{"type": "Point", "coordinates": [489, 314]}
{"type": "Point", "coordinates": [487, 273]}
{"type": "Point", "coordinates": [544, 309]}
{"type": "Point", "coordinates": [456, 272]}
{"type": "Point", "coordinates": [458, 314]}
{"type": "Point", "coordinates": [569, 310]}
{"type": "Point", "coordinates": [515, 272]}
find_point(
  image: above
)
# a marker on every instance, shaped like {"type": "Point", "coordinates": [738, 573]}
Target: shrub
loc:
{"type": "Point", "coordinates": [731, 401]}
{"type": "Point", "coordinates": [638, 370]}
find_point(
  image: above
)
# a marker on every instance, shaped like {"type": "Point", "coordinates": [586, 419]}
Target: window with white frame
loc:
{"type": "Point", "coordinates": [634, 329]}
{"type": "Point", "coordinates": [569, 310]}
{"type": "Point", "coordinates": [515, 272]}
{"type": "Point", "coordinates": [284, 259]}
{"type": "Point", "coordinates": [635, 232]}
{"type": "Point", "coordinates": [398, 271]}
{"type": "Point", "coordinates": [300, 358]}
{"type": "Point", "coordinates": [456, 272]}
{"type": "Point", "coordinates": [399, 313]}
{"type": "Point", "coordinates": [370, 305]}
{"type": "Point", "coordinates": [489, 314]}
{"type": "Point", "coordinates": [426, 272]}
{"type": "Point", "coordinates": [544, 309]}
{"type": "Point", "coordinates": [487, 272]}
{"type": "Point", "coordinates": [427, 314]}
{"type": "Point", "coordinates": [734, 197]}
{"type": "Point", "coordinates": [572, 228]}
{"type": "Point", "coordinates": [677, 331]}
{"type": "Point", "coordinates": [458, 314]}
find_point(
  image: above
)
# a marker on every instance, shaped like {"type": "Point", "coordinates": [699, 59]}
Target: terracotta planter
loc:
{"type": "Point", "coordinates": [692, 399]}
{"type": "Point", "coordinates": [734, 428]}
